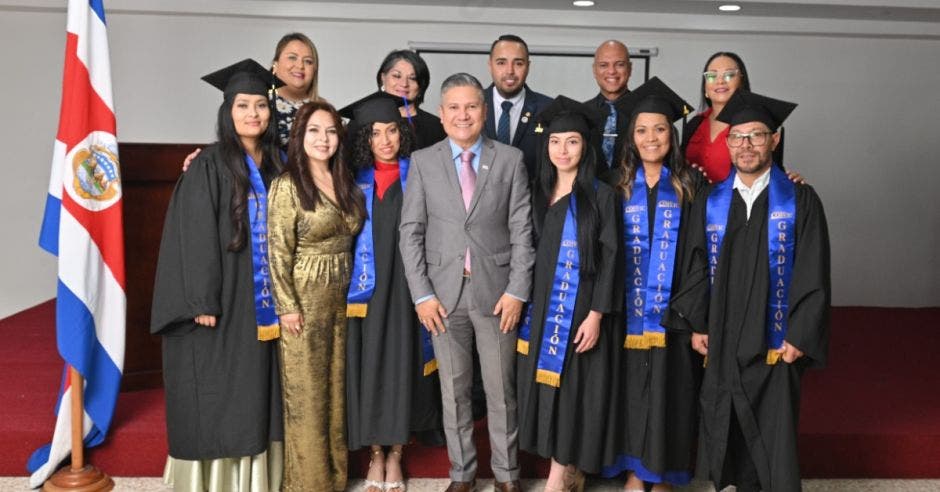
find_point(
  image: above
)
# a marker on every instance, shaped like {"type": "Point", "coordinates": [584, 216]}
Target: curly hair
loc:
{"type": "Point", "coordinates": [362, 145]}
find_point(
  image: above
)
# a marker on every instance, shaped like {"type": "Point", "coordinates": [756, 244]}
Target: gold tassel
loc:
{"type": "Point", "coordinates": [550, 378]}
{"type": "Point", "coordinates": [356, 310]}
{"type": "Point", "coordinates": [522, 346]}
{"type": "Point", "coordinates": [269, 332]}
{"type": "Point", "coordinates": [636, 342]}
{"type": "Point", "coordinates": [705, 361]}
{"type": "Point", "coordinates": [430, 366]}
{"type": "Point", "coordinates": [645, 341]}
{"type": "Point", "coordinates": [773, 357]}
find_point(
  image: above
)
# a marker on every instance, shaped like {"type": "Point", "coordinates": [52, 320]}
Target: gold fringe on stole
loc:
{"type": "Point", "coordinates": [522, 346]}
{"type": "Point", "coordinates": [269, 332]}
{"type": "Point", "coordinates": [430, 366]}
{"type": "Point", "coordinates": [356, 310]}
{"type": "Point", "coordinates": [550, 378]}
{"type": "Point", "coordinates": [773, 357]}
{"type": "Point", "coordinates": [646, 341]}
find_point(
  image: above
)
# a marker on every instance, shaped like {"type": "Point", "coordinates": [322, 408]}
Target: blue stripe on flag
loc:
{"type": "Point", "coordinates": [79, 346]}
{"type": "Point", "coordinates": [49, 232]}
{"type": "Point", "coordinates": [98, 7]}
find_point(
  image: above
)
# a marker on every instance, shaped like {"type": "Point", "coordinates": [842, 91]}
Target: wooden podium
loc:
{"type": "Point", "coordinates": [148, 173]}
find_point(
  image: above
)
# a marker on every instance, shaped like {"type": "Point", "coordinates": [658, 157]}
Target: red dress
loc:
{"type": "Point", "coordinates": [711, 155]}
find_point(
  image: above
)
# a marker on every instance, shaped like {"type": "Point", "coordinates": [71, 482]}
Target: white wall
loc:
{"type": "Point", "coordinates": [860, 134]}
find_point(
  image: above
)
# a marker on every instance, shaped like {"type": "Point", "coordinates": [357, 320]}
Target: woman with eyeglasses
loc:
{"type": "Point", "coordinates": [704, 137]}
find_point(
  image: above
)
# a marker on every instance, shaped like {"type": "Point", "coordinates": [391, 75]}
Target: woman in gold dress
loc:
{"type": "Point", "coordinates": [314, 212]}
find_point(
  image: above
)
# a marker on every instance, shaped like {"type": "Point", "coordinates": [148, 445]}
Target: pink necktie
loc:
{"type": "Point", "coordinates": [468, 181]}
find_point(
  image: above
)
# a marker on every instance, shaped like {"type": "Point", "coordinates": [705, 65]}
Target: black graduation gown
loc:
{"type": "Point", "coordinates": [387, 394]}
{"type": "Point", "coordinates": [223, 397]}
{"type": "Point", "coordinates": [427, 128]}
{"type": "Point", "coordinates": [654, 408]}
{"type": "Point", "coordinates": [738, 383]}
{"type": "Point", "coordinates": [568, 423]}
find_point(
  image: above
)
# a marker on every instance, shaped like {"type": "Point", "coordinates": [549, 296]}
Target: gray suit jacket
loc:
{"type": "Point", "coordinates": [436, 229]}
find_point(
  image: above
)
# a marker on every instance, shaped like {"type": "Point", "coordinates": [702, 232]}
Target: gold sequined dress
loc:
{"type": "Point", "coordinates": [310, 268]}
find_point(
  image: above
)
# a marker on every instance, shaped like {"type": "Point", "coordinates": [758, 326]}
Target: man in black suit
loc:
{"type": "Point", "coordinates": [612, 69]}
{"type": "Point", "coordinates": [511, 106]}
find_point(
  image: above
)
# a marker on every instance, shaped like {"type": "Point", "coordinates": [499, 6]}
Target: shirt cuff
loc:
{"type": "Point", "coordinates": [520, 299]}
{"type": "Point", "coordinates": [424, 298]}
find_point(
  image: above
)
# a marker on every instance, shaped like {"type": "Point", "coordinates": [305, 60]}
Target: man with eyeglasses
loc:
{"type": "Point", "coordinates": [612, 68]}
{"type": "Point", "coordinates": [755, 289]}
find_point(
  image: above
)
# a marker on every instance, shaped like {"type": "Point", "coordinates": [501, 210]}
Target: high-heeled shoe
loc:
{"type": "Point", "coordinates": [374, 485]}
{"type": "Point", "coordinates": [399, 485]}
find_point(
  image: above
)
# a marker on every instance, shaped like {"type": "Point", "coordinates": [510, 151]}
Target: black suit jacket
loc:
{"type": "Point", "coordinates": [525, 138]}
{"type": "Point", "coordinates": [623, 120]}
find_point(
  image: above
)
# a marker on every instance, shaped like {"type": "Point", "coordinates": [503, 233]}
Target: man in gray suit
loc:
{"type": "Point", "coordinates": [466, 242]}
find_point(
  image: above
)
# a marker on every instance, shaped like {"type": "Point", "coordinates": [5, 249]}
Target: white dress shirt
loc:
{"type": "Point", "coordinates": [750, 194]}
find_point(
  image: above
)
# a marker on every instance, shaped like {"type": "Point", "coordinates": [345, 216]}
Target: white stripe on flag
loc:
{"type": "Point", "coordinates": [90, 279]}
{"type": "Point", "coordinates": [58, 161]}
{"type": "Point", "coordinates": [61, 440]}
{"type": "Point", "coordinates": [92, 47]}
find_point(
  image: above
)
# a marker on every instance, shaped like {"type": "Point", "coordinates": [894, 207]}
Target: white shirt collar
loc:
{"type": "Point", "coordinates": [750, 194]}
{"type": "Point", "coordinates": [515, 100]}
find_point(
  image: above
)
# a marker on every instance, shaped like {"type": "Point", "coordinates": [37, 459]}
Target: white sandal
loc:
{"type": "Point", "coordinates": [400, 484]}
{"type": "Point", "coordinates": [367, 484]}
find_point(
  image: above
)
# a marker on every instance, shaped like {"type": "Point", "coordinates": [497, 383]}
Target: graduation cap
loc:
{"type": "Point", "coordinates": [379, 106]}
{"type": "Point", "coordinates": [567, 115]}
{"type": "Point", "coordinates": [654, 96]}
{"type": "Point", "coordinates": [745, 107]}
{"type": "Point", "coordinates": [244, 77]}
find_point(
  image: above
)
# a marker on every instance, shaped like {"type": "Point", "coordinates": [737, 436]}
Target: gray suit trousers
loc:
{"type": "Point", "coordinates": [453, 350]}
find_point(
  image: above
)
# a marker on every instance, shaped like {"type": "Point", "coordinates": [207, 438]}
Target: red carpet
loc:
{"type": "Point", "coordinates": [873, 413]}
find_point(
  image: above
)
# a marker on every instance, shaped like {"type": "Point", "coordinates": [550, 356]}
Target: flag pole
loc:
{"type": "Point", "coordinates": [78, 475]}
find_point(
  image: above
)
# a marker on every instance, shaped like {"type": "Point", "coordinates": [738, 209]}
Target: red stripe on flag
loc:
{"type": "Point", "coordinates": [82, 110]}
{"type": "Point", "coordinates": [106, 229]}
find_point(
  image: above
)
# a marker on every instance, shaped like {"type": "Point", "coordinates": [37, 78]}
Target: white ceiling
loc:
{"type": "Point", "coordinates": [875, 10]}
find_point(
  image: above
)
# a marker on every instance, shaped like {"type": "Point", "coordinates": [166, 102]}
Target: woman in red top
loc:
{"type": "Point", "coordinates": [703, 138]}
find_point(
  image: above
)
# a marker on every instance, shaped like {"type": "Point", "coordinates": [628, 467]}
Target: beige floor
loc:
{"type": "Point", "coordinates": [12, 484]}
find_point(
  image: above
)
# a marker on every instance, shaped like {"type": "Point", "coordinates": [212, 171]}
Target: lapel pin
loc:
{"type": "Point", "coordinates": [525, 117]}
{"type": "Point", "coordinates": [538, 128]}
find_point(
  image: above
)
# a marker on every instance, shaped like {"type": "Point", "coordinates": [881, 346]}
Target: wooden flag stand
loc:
{"type": "Point", "coordinates": [79, 477]}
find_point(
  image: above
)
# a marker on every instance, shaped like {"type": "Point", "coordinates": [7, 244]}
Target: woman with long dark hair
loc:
{"type": "Point", "coordinates": [392, 389]}
{"type": "Point", "coordinates": [655, 388]}
{"type": "Point", "coordinates": [212, 301]}
{"type": "Point", "coordinates": [314, 212]}
{"type": "Point", "coordinates": [566, 338]}
{"type": "Point", "coordinates": [703, 137]}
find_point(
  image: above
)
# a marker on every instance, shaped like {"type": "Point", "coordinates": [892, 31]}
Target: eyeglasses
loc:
{"type": "Point", "coordinates": [711, 76]}
{"type": "Point", "coordinates": [756, 138]}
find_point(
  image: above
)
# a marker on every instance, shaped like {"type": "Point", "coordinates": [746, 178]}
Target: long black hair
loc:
{"type": "Point", "coordinates": [583, 192]}
{"type": "Point", "coordinates": [233, 154]}
{"type": "Point", "coordinates": [680, 174]}
{"type": "Point", "coordinates": [362, 145]}
{"type": "Point", "coordinates": [742, 72]}
{"type": "Point", "coordinates": [348, 196]}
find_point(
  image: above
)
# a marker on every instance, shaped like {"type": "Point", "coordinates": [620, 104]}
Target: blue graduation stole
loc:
{"type": "Point", "coordinates": [650, 264]}
{"type": "Point", "coordinates": [362, 285]}
{"type": "Point", "coordinates": [265, 316]}
{"type": "Point", "coordinates": [781, 220]}
{"type": "Point", "coordinates": [560, 308]}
